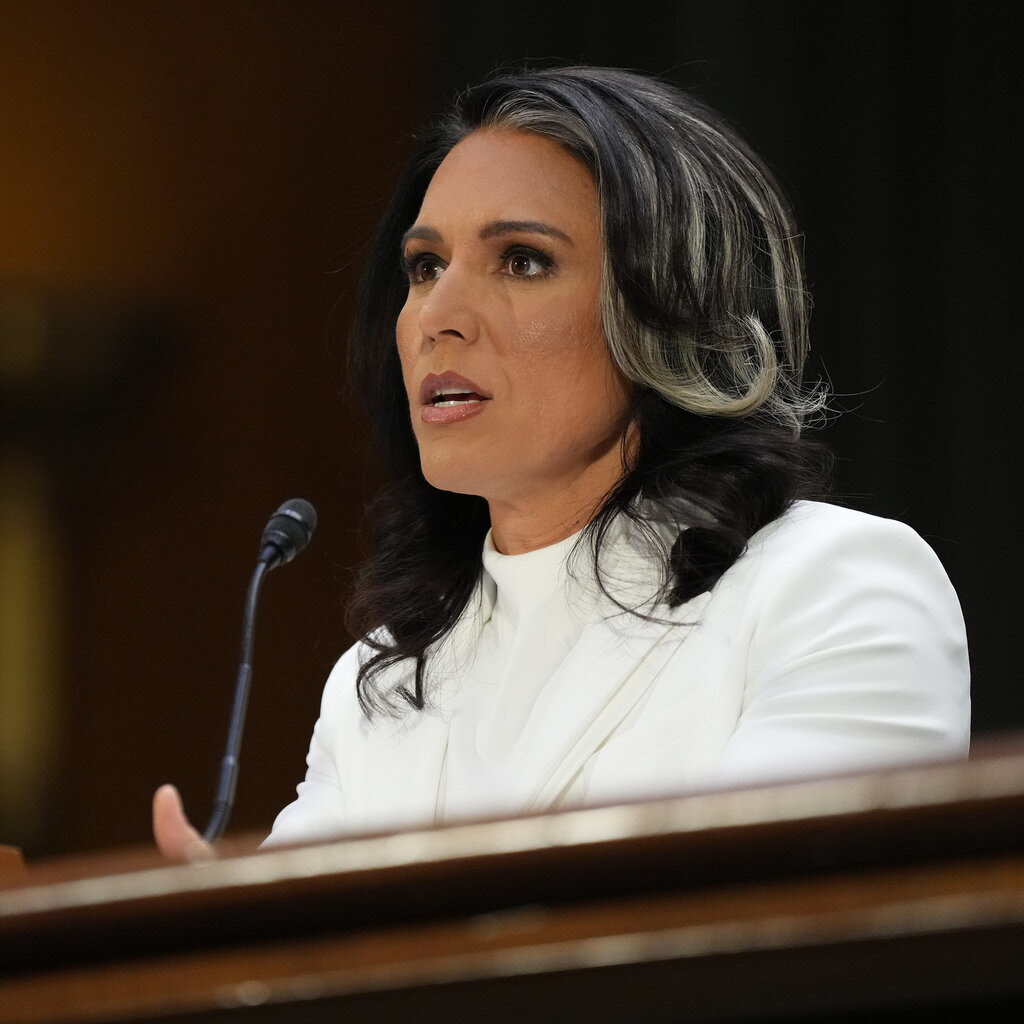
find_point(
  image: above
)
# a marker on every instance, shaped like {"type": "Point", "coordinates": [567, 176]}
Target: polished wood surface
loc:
{"type": "Point", "coordinates": [12, 865]}
{"type": "Point", "coordinates": [891, 892]}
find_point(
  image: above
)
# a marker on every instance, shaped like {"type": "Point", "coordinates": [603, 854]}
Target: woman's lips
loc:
{"type": "Point", "coordinates": [450, 398]}
{"type": "Point", "coordinates": [451, 413]}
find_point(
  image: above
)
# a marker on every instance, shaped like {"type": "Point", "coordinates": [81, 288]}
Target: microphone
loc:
{"type": "Point", "coordinates": [287, 533]}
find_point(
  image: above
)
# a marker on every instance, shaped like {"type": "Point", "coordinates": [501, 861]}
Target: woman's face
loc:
{"type": "Point", "coordinates": [512, 393]}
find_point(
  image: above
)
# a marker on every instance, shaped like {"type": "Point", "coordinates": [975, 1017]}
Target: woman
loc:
{"type": "Point", "coordinates": [596, 574]}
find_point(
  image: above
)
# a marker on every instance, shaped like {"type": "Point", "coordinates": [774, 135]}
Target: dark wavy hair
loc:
{"type": "Point", "coordinates": [704, 310]}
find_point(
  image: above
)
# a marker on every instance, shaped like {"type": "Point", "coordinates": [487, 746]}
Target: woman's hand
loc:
{"type": "Point", "coordinates": [175, 837]}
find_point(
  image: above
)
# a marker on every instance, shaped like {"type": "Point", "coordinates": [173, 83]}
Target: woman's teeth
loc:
{"type": "Point", "coordinates": [444, 399]}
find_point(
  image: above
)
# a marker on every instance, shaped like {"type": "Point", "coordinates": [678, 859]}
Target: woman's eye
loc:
{"type": "Point", "coordinates": [527, 263]}
{"type": "Point", "coordinates": [422, 267]}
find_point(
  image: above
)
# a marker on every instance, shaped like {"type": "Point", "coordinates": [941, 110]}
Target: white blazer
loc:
{"type": "Point", "coordinates": [834, 643]}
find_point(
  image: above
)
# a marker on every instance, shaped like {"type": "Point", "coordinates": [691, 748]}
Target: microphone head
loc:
{"type": "Point", "coordinates": [287, 532]}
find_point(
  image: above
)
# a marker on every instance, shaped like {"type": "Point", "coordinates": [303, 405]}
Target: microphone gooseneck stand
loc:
{"type": "Point", "coordinates": [225, 797]}
{"type": "Point", "coordinates": [287, 533]}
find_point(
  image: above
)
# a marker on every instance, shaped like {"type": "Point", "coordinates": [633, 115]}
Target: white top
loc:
{"type": "Point", "coordinates": [535, 621]}
{"type": "Point", "coordinates": [834, 643]}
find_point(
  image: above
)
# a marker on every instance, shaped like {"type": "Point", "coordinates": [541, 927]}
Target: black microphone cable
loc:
{"type": "Point", "coordinates": [286, 534]}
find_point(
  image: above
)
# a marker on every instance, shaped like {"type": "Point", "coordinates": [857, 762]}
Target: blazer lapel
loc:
{"type": "Point", "coordinates": [614, 664]}
{"type": "Point", "coordinates": [404, 758]}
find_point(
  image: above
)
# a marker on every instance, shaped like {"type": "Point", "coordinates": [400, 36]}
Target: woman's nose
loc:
{"type": "Point", "coordinates": [450, 308]}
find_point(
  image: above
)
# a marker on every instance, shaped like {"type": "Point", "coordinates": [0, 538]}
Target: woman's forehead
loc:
{"type": "Point", "coordinates": [499, 174]}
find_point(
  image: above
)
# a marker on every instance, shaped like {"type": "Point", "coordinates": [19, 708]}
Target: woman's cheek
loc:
{"type": "Point", "coordinates": [550, 332]}
{"type": "Point", "coordinates": [406, 354]}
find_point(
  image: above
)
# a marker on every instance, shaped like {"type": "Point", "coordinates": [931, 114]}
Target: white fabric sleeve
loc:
{"type": "Point", "coordinates": [857, 655]}
{"type": "Point", "coordinates": [318, 811]}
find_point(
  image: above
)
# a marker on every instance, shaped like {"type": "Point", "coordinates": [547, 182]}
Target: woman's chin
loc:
{"type": "Point", "coordinates": [457, 479]}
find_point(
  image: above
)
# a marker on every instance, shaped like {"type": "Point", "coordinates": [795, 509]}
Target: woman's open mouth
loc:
{"type": "Point", "coordinates": [450, 398]}
{"type": "Point", "coordinates": [456, 396]}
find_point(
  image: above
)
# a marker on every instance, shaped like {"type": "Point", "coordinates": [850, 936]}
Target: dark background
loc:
{"type": "Point", "coordinates": [184, 193]}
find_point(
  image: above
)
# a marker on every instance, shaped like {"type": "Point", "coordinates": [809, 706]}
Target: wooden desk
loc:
{"type": "Point", "coordinates": [886, 895]}
{"type": "Point", "coordinates": [12, 866]}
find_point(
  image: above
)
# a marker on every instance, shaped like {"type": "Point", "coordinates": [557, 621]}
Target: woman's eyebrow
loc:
{"type": "Point", "coordinates": [533, 227]}
{"type": "Point", "coordinates": [425, 233]}
{"type": "Point", "coordinates": [422, 232]}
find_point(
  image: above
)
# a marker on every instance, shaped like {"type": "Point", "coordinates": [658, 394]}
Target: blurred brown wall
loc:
{"type": "Point", "coordinates": [221, 163]}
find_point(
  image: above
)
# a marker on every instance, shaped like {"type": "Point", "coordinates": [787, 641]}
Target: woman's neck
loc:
{"type": "Point", "coordinates": [515, 532]}
{"type": "Point", "coordinates": [545, 516]}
